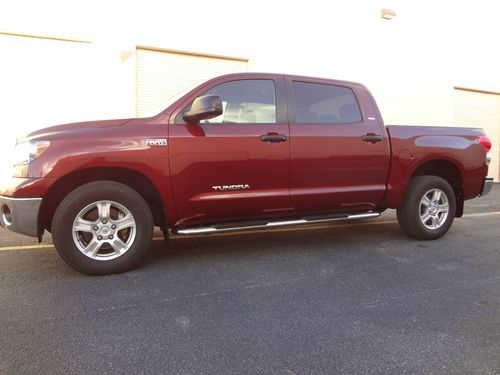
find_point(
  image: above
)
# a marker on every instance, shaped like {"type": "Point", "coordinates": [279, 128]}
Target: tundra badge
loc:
{"type": "Point", "coordinates": [231, 187]}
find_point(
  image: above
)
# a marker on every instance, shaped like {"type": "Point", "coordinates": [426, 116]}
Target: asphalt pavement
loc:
{"type": "Point", "coordinates": [348, 298]}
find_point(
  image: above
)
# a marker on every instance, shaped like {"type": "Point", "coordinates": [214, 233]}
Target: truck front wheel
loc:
{"type": "Point", "coordinates": [102, 227]}
{"type": "Point", "coordinates": [428, 209]}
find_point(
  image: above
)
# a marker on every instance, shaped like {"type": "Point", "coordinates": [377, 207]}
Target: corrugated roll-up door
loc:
{"type": "Point", "coordinates": [482, 110]}
{"type": "Point", "coordinates": [163, 74]}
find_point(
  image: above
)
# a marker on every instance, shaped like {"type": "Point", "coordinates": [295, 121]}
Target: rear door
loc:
{"type": "Point", "coordinates": [339, 148]}
{"type": "Point", "coordinates": [235, 166]}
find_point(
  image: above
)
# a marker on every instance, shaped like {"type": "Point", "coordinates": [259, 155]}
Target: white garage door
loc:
{"type": "Point", "coordinates": [477, 109]}
{"type": "Point", "coordinates": [163, 74]}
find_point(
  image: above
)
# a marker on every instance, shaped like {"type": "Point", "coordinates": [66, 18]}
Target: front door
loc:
{"type": "Point", "coordinates": [339, 153]}
{"type": "Point", "coordinates": [234, 166]}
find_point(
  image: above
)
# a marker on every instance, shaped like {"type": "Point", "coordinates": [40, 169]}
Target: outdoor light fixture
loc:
{"type": "Point", "coordinates": [387, 14]}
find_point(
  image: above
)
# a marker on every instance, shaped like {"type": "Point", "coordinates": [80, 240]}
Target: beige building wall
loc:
{"type": "Point", "coordinates": [482, 109]}
{"type": "Point", "coordinates": [411, 63]}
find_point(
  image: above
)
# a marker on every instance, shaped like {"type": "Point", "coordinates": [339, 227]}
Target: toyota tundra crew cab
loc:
{"type": "Point", "coordinates": [239, 151]}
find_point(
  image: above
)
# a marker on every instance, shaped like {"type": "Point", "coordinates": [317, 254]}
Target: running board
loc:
{"type": "Point", "coordinates": [270, 224]}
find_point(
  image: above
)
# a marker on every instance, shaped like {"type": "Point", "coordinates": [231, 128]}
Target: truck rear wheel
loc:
{"type": "Point", "coordinates": [428, 209]}
{"type": "Point", "coordinates": [102, 227]}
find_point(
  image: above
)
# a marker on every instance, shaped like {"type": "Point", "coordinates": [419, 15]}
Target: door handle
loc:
{"type": "Point", "coordinates": [372, 138]}
{"type": "Point", "coordinates": [273, 138]}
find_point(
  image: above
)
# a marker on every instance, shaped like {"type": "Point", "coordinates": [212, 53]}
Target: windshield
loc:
{"type": "Point", "coordinates": [161, 107]}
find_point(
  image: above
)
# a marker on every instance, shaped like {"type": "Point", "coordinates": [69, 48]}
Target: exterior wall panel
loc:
{"type": "Point", "coordinates": [482, 110]}
{"type": "Point", "coordinates": [43, 82]}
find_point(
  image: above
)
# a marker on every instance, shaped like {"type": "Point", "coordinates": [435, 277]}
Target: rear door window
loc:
{"type": "Point", "coordinates": [317, 103]}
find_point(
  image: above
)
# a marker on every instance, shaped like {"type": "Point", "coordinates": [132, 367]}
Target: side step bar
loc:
{"type": "Point", "coordinates": [269, 224]}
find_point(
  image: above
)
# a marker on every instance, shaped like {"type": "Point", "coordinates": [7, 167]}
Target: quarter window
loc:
{"type": "Point", "coordinates": [324, 104]}
{"type": "Point", "coordinates": [244, 102]}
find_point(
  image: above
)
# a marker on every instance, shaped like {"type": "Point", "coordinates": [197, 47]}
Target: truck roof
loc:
{"type": "Point", "coordinates": [291, 76]}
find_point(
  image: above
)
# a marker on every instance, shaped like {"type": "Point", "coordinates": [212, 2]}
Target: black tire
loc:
{"type": "Point", "coordinates": [87, 195]}
{"type": "Point", "coordinates": [409, 214]}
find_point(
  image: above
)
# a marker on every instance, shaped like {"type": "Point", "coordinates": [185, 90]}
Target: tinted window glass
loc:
{"type": "Point", "coordinates": [324, 104]}
{"type": "Point", "coordinates": [244, 102]}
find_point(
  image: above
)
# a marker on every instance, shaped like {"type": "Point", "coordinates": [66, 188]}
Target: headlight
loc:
{"type": "Point", "coordinates": [25, 152]}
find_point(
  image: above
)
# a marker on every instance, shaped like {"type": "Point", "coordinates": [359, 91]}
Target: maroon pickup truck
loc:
{"type": "Point", "coordinates": [239, 151]}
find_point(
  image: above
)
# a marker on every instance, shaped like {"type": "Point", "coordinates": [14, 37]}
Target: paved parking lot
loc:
{"type": "Point", "coordinates": [338, 298]}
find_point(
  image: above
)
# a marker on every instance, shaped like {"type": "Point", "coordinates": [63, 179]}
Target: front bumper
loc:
{"type": "Point", "coordinates": [20, 214]}
{"type": "Point", "coordinates": [488, 183]}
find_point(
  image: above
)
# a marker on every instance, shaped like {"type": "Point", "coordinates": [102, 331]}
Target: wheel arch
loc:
{"type": "Point", "coordinates": [447, 170]}
{"type": "Point", "coordinates": [129, 177]}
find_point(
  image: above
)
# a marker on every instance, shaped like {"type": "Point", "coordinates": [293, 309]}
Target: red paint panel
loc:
{"type": "Point", "coordinates": [413, 146]}
{"type": "Point", "coordinates": [203, 156]}
{"type": "Point", "coordinates": [332, 168]}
